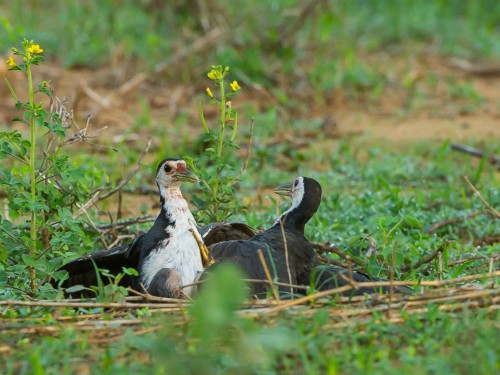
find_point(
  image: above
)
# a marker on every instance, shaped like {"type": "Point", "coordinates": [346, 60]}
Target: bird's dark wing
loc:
{"type": "Point", "coordinates": [329, 277]}
{"type": "Point", "coordinates": [244, 253]}
{"type": "Point", "coordinates": [219, 232]}
{"type": "Point", "coordinates": [300, 251]}
{"type": "Point", "coordinates": [82, 271]}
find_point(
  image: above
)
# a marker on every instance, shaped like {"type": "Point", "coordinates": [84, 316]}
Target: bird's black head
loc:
{"type": "Point", "coordinates": [172, 172]}
{"type": "Point", "coordinates": [306, 198]}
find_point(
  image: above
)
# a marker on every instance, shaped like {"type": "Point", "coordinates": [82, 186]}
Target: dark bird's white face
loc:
{"type": "Point", "coordinates": [295, 190]}
{"type": "Point", "coordinates": [172, 172]}
{"type": "Point", "coordinates": [306, 198]}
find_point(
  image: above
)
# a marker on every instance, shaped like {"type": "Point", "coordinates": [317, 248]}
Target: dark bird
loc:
{"type": "Point", "coordinates": [167, 257]}
{"type": "Point", "coordinates": [288, 255]}
{"type": "Point", "coordinates": [323, 276]}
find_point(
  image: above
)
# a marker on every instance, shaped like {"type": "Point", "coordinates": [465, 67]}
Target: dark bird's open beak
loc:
{"type": "Point", "coordinates": [284, 190]}
{"type": "Point", "coordinates": [186, 176]}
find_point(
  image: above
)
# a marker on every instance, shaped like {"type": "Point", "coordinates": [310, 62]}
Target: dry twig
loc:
{"type": "Point", "coordinates": [475, 152]}
{"type": "Point", "coordinates": [330, 249]}
{"type": "Point", "coordinates": [123, 182]}
{"type": "Point", "coordinates": [126, 223]}
{"type": "Point", "coordinates": [268, 275]}
{"type": "Point", "coordinates": [286, 252]}
{"type": "Point", "coordinates": [168, 302]}
{"type": "Point", "coordinates": [426, 260]}
{"type": "Point", "coordinates": [453, 220]}
{"type": "Point", "coordinates": [306, 10]}
{"type": "Point", "coordinates": [478, 194]}
{"type": "Point", "coordinates": [326, 260]}
{"type": "Point", "coordinates": [345, 288]}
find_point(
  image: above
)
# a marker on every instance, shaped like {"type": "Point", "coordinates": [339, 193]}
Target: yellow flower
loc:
{"type": "Point", "coordinates": [34, 48]}
{"type": "Point", "coordinates": [235, 86]}
{"type": "Point", "coordinates": [212, 75]}
{"type": "Point", "coordinates": [10, 62]}
{"type": "Point", "coordinates": [209, 92]}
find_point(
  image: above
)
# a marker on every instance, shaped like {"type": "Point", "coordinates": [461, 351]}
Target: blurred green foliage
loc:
{"type": "Point", "coordinates": [325, 40]}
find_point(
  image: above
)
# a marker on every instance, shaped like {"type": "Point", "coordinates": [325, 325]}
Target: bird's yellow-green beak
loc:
{"type": "Point", "coordinates": [284, 190]}
{"type": "Point", "coordinates": [186, 176]}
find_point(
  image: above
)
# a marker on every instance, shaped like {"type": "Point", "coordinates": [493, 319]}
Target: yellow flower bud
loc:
{"type": "Point", "coordinates": [35, 49]}
{"type": "Point", "coordinates": [212, 75]}
{"type": "Point", "coordinates": [209, 92]}
{"type": "Point", "coordinates": [10, 62]}
{"type": "Point", "coordinates": [235, 86]}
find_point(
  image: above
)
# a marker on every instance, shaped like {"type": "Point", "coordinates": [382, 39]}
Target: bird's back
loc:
{"type": "Point", "coordinates": [245, 254]}
{"type": "Point", "coordinates": [292, 245]}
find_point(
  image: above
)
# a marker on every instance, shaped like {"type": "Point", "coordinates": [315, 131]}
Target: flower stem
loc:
{"type": "Point", "coordinates": [222, 117]}
{"type": "Point", "coordinates": [221, 141]}
{"type": "Point", "coordinates": [32, 248]}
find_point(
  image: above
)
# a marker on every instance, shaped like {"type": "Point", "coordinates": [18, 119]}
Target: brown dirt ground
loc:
{"type": "Point", "coordinates": [441, 117]}
{"type": "Point", "coordinates": [435, 117]}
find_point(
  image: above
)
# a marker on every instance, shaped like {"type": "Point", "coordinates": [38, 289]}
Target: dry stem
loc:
{"type": "Point", "coordinates": [478, 194]}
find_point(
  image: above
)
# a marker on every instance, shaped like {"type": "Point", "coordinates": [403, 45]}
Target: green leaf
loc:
{"type": "Point", "coordinates": [28, 260]}
{"type": "Point", "coordinates": [130, 271]}
{"type": "Point", "coordinates": [20, 105]}
{"type": "Point", "coordinates": [75, 288]}
{"type": "Point", "coordinates": [354, 240]}
{"type": "Point", "coordinates": [413, 222]}
{"type": "Point", "coordinates": [56, 128]}
{"type": "Point", "coordinates": [43, 87]}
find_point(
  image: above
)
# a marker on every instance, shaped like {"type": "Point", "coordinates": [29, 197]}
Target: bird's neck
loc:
{"type": "Point", "coordinates": [176, 209]}
{"type": "Point", "coordinates": [293, 218]}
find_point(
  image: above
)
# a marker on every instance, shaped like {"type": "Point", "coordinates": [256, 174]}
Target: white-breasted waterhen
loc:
{"type": "Point", "coordinates": [168, 256]}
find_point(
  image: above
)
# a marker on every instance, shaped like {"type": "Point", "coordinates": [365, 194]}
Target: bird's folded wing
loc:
{"type": "Point", "coordinates": [218, 232]}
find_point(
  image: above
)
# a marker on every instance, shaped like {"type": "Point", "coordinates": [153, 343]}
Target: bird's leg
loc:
{"type": "Point", "coordinates": [206, 261]}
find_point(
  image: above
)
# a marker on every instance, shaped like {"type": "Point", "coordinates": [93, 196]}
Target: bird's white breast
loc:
{"type": "Point", "coordinates": [180, 251]}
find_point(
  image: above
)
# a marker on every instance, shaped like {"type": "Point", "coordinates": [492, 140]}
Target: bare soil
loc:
{"type": "Point", "coordinates": [388, 120]}
{"type": "Point", "coordinates": [437, 116]}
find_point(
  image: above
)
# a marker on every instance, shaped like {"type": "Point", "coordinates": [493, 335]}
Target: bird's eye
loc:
{"type": "Point", "coordinates": [295, 183]}
{"type": "Point", "coordinates": [167, 168]}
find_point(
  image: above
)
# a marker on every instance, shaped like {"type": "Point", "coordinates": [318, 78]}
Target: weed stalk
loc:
{"type": "Point", "coordinates": [32, 124]}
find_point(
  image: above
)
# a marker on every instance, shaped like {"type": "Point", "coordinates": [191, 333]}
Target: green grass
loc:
{"type": "Point", "coordinates": [356, 203]}
{"type": "Point", "coordinates": [330, 49]}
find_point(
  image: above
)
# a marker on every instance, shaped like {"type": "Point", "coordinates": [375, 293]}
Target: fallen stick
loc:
{"type": "Point", "coordinates": [330, 249]}
{"type": "Point", "coordinates": [126, 223]}
{"type": "Point", "coordinates": [426, 260]}
{"type": "Point", "coordinates": [475, 152]}
{"type": "Point", "coordinates": [453, 220]}
{"type": "Point", "coordinates": [106, 305]}
{"type": "Point", "coordinates": [346, 288]}
{"type": "Point", "coordinates": [326, 260]}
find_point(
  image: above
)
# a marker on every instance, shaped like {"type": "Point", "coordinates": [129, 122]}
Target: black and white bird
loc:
{"type": "Point", "coordinates": [167, 257]}
{"type": "Point", "coordinates": [288, 255]}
